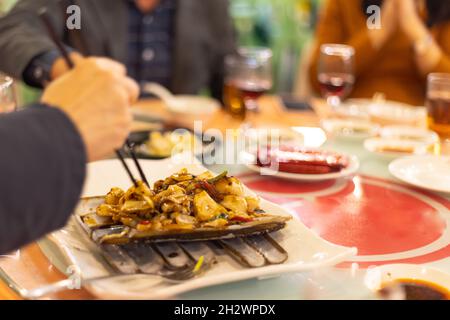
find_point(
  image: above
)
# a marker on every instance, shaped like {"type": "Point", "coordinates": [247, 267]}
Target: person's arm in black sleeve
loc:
{"type": "Point", "coordinates": [42, 170]}
{"type": "Point", "coordinates": [23, 36]}
{"type": "Point", "coordinates": [38, 71]}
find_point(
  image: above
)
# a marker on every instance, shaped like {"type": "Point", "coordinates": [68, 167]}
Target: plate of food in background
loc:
{"type": "Point", "coordinates": [263, 136]}
{"type": "Point", "coordinates": [383, 112]}
{"type": "Point", "coordinates": [349, 129]}
{"type": "Point", "coordinates": [410, 133]}
{"type": "Point", "coordinates": [302, 164]}
{"type": "Point", "coordinates": [353, 109]}
{"type": "Point", "coordinates": [162, 144]}
{"type": "Point", "coordinates": [394, 113]}
{"type": "Point", "coordinates": [391, 148]}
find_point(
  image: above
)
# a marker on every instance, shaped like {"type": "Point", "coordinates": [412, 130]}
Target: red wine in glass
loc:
{"type": "Point", "coordinates": [252, 89]}
{"type": "Point", "coordinates": [336, 84]}
{"type": "Point", "coordinates": [248, 77]}
{"type": "Point", "coordinates": [243, 94]}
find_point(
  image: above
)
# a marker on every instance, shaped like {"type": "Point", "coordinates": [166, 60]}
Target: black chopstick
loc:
{"type": "Point", "coordinates": [43, 14]}
{"type": "Point", "coordinates": [74, 34]}
{"type": "Point", "coordinates": [136, 162]}
{"type": "Point", "coordinates": [127, 169]}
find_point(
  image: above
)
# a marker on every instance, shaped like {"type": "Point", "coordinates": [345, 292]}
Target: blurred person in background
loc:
{"type": "Point", "coordinates": [83, 116]}
{"type": "Point", "coordinates": [414, 40]}
{"type": "Point", "coordinates": [180, 44]}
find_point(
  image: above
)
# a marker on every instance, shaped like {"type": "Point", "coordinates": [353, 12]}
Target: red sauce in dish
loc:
{"type": "Point", "coordinates": [302, 160]}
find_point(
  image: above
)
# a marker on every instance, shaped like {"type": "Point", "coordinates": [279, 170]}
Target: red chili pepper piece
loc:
{"type": "Point", "coordinates": [241, 219]}
{"type": "Point", "coordinates": [145, 222]}
{"type": "Point", "coordinates": [211, 190]}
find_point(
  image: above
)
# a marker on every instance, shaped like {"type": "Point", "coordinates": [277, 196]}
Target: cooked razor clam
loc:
{"type": "Point", "coordinates": [187, 204]}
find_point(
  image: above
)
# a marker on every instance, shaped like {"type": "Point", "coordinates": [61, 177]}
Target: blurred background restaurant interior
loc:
{"type": "Point", "coordinates": [284, 26]}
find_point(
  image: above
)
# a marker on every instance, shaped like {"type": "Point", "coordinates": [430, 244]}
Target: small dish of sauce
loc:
{"type": "Point", "coordinates": [415, 290]}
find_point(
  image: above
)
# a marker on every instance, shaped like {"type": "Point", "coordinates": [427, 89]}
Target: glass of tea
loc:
{"type": "Point", "coordinates": [335, 72]}
{"type": "Point", "coordinates": [7, 96]}
{"type": "Point", "coordinates": [248, 77]}
{"type": "Point", "coordinates": [438, 104]}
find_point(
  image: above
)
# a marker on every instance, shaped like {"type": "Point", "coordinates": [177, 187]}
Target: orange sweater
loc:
{"type": "Point", "coordinates": [390, 70]}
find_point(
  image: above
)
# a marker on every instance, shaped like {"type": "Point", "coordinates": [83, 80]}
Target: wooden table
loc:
{"type": "Point", "coordinates": [272, 113]}
{"type": "Point", "coordinates": [30, 268]}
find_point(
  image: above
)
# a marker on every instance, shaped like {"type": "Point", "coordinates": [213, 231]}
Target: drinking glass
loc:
{"type": "Point", "coordinates": [335, 72]}
{"type": "Point", "coordinates": [438, 104]}
{"type": "Point", "coordinates": [248, 77]}
{"type": "Point", "coordinates": [7, 96]}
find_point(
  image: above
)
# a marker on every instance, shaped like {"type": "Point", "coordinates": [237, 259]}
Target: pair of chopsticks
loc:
{"type": "Point", "coordinates": [136, 163]}
{"type": "Point", "coordinates": [43, 14]}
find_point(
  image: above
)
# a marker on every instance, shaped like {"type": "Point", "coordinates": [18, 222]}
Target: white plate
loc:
{"type": "Point", "coordinates": [351, 169]}
{"type": "Point", "coordinates": [378, 277]}
{"type": "Point", "coordinates": [392, 113]}
{"type": "Point", "coordinates": [193, 105]}
{"type": "Point", "coordinates": [375, 144]}
{"type": "Point", "coordinates": [410, 133]}
{"type": "Point", "coordinates": [428, 172]}
{"type": "Point", "coordinates": [345, 128]}
{"type": "Point", "coordinates": [384, 111]}
{"type": "Point", "coordinates": [307, 251]}
{"type": "Point", "coordinates": [272, 135]}
{"type": "Point", "coordinates": [354, 109]}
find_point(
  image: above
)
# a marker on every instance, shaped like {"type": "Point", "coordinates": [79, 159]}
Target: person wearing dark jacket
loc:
{"type": "Point", "coordinates": [45, 147]}
{"type": "Point", "coordinates": [180, 44]}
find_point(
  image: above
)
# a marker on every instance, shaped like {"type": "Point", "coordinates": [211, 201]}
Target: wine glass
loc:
{"type": "Point", "coordinates": [248, 77]}
{"type": "Point", "coordinates": [335, 72]}
{"type": "Point", "coordinates": [7, 95]}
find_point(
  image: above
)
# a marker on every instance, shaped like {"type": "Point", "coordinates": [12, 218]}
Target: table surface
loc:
{"type": "Point", "coordinates": [388, 221]}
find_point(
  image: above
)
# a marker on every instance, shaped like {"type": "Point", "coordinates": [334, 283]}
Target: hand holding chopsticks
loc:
{"type": "Point", "coordinates": [118, 93]}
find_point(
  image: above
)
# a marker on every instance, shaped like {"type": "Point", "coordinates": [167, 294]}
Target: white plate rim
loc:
{"type": "Point", "coordinates": [393, 170]}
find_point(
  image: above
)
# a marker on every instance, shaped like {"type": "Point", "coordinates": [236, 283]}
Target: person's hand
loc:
{"type": "Point", "coordinates": [96, 95]}
{"type": "Point", "coordinates": [410, 21]}
{"type": "Point", "coordinates": [60, 66]}
{"type": "Point", "coordinates": [389, 24]}
{"type": "Point", "coordinates": [427, 51]}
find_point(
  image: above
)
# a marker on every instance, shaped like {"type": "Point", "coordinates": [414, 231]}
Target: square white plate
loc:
{"type": "Point", "coordinates": [306, 250]}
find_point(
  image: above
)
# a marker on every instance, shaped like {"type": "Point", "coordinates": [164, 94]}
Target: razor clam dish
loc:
{"type": "Point", "coordinates": [183, 206]}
